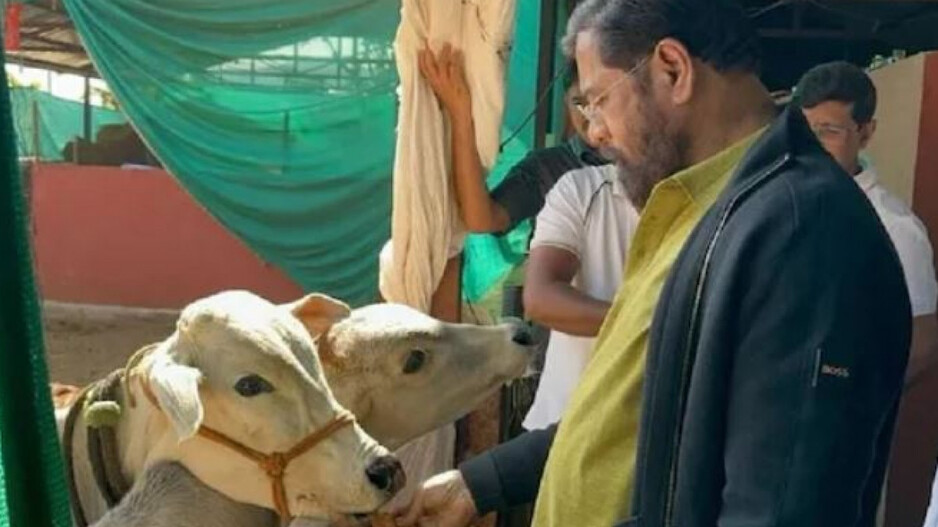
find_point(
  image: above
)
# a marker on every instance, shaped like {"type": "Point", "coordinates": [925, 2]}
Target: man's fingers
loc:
{"type": "Point", "coordinates": [457, 58]}
{"type": "Point", "coordinates": [433, 64]}
{"type": "Point", "coordinates": [446, 53]}
{"type": "Point", "coordinates": [453, 69]}
{"type": "Point", "coordinates": [414, 512]}
{"type": "Point", "coordinates": [429, 69]}
{"type": "Point", "coordinates": [454, 73]}
{"type": "Point", "coordinates": [459, 65]}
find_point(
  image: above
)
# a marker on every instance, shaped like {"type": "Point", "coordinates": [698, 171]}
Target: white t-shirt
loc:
{"type": "Point", "coordinates": [931, 520]}
{"type": "Point", "coordinates": [588, 214]}
{"type": "Point", "coordinates": [910, 238]}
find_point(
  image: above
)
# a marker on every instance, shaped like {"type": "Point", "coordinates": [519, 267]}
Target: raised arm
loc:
{"type": "Point", "coordinates": [446, 76]}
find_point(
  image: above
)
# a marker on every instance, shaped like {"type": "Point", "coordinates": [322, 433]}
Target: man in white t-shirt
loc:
{"type": "Point", "coordinates": [839, 102]}
{"type": "Point", "coordinates": [575, 267]}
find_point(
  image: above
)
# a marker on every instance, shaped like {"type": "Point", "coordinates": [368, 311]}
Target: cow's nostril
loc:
{"type": "Point", "coordinates": [522, 336]}
{"type": "Point", "coordinates": [386, 474]}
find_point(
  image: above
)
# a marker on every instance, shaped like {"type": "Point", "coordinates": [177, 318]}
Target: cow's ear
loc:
{"type": "Point", "coordinates": [176, 387]}
{"type": "Point", "coordinates": [319, 312]}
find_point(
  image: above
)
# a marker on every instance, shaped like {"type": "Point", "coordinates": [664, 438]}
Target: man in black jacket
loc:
{"type": "Point", "coordinates": [749, 370]}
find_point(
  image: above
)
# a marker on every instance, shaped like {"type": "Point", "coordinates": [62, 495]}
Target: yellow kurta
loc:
{"type": "Point", "coordinates": [590, 472]}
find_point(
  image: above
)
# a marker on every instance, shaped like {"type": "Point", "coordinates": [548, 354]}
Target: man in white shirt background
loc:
{"type": "Point", "coordinates": [839, 101]}
{"type": "Point", "coordinates": [578, 254]}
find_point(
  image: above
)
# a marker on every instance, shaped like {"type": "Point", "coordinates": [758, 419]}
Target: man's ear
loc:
{"type": "Point", "coordinates": [176, 387]}
{"type": "Point", "coordinates": [319, 312]}
{"type": "Point", "coordinates": [672, 59]}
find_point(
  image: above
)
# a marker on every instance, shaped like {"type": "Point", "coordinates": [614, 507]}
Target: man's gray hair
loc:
{"type": "Point", "coordinates": [717, 32]}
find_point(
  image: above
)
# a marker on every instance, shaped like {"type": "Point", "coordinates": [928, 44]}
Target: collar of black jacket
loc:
{"type": "Point", "coordinates": [788, 135]}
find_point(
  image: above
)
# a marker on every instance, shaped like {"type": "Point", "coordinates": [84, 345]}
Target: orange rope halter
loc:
{"type": "Point", "coordinates": [274, 464]}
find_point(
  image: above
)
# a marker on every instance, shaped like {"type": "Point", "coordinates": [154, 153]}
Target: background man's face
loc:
{"type": "Point", "coordinates": [834, 126]}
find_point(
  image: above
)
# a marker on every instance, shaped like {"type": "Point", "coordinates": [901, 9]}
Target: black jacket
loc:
{"type": "Point", "coordinates": [775, 359]}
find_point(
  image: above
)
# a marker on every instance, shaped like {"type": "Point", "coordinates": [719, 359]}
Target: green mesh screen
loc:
{"type": "Point", "coordinates": [32, 491]}
{"type": "Point", "coordinates": [45, 123]}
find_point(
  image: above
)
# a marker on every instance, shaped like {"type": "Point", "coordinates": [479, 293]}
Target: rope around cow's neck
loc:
{"type": "Point", "coordinates": [274, 464]}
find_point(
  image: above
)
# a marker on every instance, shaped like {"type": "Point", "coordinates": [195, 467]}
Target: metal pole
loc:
{"type": "Point", "coordinates": [36, 137]}
{"type": "Point", "coordinates": [286, 142]}
{"type": "Point", "coordinates": [296, 59]}
{"type": "Point", "coordinates": [558, 120]}
{"type": "Point", "coordinates": [546, 50]}
{"type": "Point", "coordinates": [86, 119]}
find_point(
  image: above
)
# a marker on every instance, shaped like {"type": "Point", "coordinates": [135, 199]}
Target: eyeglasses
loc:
{"type": "Point", "coordinates": [591, 110]}
{"type": "Point", "coordinates": [832, 132]}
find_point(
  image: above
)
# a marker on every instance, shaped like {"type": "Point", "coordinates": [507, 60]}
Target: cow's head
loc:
{"type": "Point", "coordinates": [248, 369]}
{"type": "Point", "coordinates": [403, 373]}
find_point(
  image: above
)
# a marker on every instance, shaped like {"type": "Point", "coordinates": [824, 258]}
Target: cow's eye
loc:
{"type": "Point", "coordinates": [416, 359]}
{"type": "Point", "coordinates": [252, 385]}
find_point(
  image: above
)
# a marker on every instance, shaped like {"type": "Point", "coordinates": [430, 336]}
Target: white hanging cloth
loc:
{"type": "Point", "coordinates": [425, 226]}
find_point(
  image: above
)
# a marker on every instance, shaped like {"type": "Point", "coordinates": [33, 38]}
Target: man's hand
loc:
{"type": "Point", "coordinates": [446, 75]}
{"type": "Point", "coordinates": [442, 501]}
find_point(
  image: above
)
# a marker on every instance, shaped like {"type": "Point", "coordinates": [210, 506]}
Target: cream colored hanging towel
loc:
{"type": "Point", "coordinates": [425, 225]}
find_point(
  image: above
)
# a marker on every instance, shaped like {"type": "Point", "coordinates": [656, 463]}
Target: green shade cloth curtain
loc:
{"type": "Point", "coordinates": [278, 118]}
{"type": "Point", "coordinates": [32, 487]}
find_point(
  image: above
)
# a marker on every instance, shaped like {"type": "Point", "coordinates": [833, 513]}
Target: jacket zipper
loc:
{"type": "Point", "coordinates": [692, 328]}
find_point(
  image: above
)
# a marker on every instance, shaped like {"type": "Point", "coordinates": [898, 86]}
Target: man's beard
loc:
{"type": "Point", "coordinates": [662, 151]}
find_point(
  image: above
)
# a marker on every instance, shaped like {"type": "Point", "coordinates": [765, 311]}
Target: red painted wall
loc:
{"type": "Point", "coordinates": [103, 235]}
{"type": "Point", "coordinates": [925, 197]}
{"type": "Point", "coordinates": [915, 446]}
